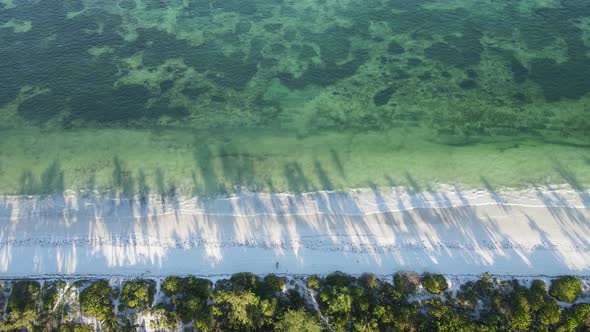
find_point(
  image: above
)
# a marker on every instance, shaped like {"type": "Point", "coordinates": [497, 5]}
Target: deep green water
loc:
{"type": "Point", "coordinates": [351, 92]}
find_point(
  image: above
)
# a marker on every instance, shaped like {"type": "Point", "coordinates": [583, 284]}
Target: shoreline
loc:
{"type": "Point", "coordinates": [538, 231]}
{"type": "Point", "coordinates": [354, 202]}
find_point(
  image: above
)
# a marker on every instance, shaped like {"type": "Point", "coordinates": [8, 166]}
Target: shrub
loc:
{"type": "Point", "coordinates": [443, 318]}
{"type": "Point", "coordinates": [172, 285]}
{"type": "Point", "coordinates": [96, 300]}
{"type": "Point", "coordinates": [313, 282]}
{"type": "Point", "coordinates": [21, 307]}
{"type": "Point", "coordinates": [521, 312]}
{"type": "Point", "coordinates": [434, 283]}
{"type": "Point", "coordinates": [406, 282]}
{"type": "Point", "coordinates": [138, 294]}
{"type": "Point", "coordinates": [189, 295]}
{"type": "Point", "coordinates": [577, 318]}
{"type": "Point", "coordinates": [537, 294]}
{"type": "Point", "coordinates": [369, 281]}
{"type": "Point", "coordinates": [72, 327]}
{"type": "Point", "coordinates": [274, 283]}
{"type": "Point", "coordinates": [566, 288]}
{"type": "Point", "coordinates": [549, 313]}
{"type": "Point", "coordinates": [299, 321]}
{"type": "Point", "coordinates": [339, 279]}
{"type": "Point", "coordinates": [23, 296]}
{"type": "Point", "coordinates": [245, 281]}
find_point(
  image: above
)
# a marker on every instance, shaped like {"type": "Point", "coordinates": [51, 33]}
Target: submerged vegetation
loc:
{"type": "Point", "coordinates": [502, 68]}
{"type": "Point", "coordinates": [337, 302]}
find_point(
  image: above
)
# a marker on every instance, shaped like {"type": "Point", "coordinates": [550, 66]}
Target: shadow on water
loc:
{"type": "Point", "coordinates": [493, 192]}
{"type": "Point", "coordinates": [27, 184]}
{"type": "Point", "coordinates": [51, 181]}
{"type": "Point", "coordinates": [296, 180]}
{"type": "Point", "coordinates": [237, 168]}
{"type": "Point", "coordinates": [413, 184]}
{"type": "Point", "coordinates": [123, 181]}
{"type": "Point", "coordinates": [571, 178]}
{"type": "Point", "coordinates": [323, 177]}
{"type": "Point", "coordinates": [142, 187]}
{"type": "Point", "coordinates": [203, 156]}
{"type": "Point", "coordinates": [567, 175]}
{"type": "Point", "coordinates": [337, 162]}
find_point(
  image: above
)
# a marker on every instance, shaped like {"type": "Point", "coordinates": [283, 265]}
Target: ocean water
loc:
{"type": "Point", "coordinates": [216, 96]}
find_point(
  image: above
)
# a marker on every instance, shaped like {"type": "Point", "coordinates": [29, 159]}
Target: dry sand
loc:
{"type": "Point", "coordinates": [535, 231]}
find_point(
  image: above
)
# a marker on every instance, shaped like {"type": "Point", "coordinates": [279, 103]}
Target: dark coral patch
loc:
{"type": "Point", "coordinates": [567, 80]}
{"type": "Point", "coordinates": [273, 27]}
{"type": "Point", "coordinates": [195, 91]}
{"type": "Point", "coordinates": [334, 43]}
{"type": "Point", "coordinates": [325, 74]}
{"type": "Point", "coordinates": [244, 7]}
{"type": "Point", "coordinates": [127, 4]}
{"type": "Point", "coordinates": [468, 84]}
{"type": "Point", "coordinates": [243, 27]}
{"type": "Point", "coordinates": [519, 72]}
{"type": "Point", "coordinates": [162, 108]}
{"type": "Point", "coordinates": [41, 108]}
{"type": "Point", "coordinates": [461, 51]}
{"type": "Point", "coordinates": [122, 104]}
{"type": "Point", "coordinates": [395, 48]}
{"type": "Point", "coordinates": [382, 97]}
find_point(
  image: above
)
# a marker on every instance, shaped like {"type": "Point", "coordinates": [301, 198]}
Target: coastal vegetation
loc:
{"type": "Point", "coordinates": [405, 301]}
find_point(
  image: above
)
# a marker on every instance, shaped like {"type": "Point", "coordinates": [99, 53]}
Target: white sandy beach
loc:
{"type": "Point", "coordinates": [536, 231]}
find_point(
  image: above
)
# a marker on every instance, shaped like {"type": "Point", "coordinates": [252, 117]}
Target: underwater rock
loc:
{"type": "Point", "coordinates": [277, 48]}
{"type": "Point", "coordinates": [273, 27]}
{"type": "Point", "coordinates": [41, 108]}
{"type": "Point", "coordinates": [244, 7]}
{"type": "Point", "coordinates": [156, 4]}
{"type": "Point", "coordinates": [235, 73]}
{"type": "Point", "coordinates": [414, 62]}
{"type": "Point", "coordinates": [195, 92]}
{"type": "Point", "coordinates": [425, 76]}
{"type": "Point", "coordinates": [243, 27]}
{"type": "Point", "coordinates": [325, 74]}
{"type": "Point", "coordinates": [127, 4]}
{"type": "Point", "coordinates": [307, 52]}
{"type": "Point", "coordinates": [334, 43]}
{"type": "Point", "coordinates": [198, 8]}
{"type": "Point", "coordinates": [468, 84]}
{"type": "Point", "coordinates": [519, 72]}
{"type": "Point", "coordinates": [461, 51]}
{"type": "Point", "coordinates": [290, 34]}
{"type": "Point", "coordinates": [407, 4]}
{"type": "Point", "coordinates": [166, 85]}
{"type": "Point", "coordinates": [394, 48]}
{"type": "Point", "coordinates": [162, 108]}
{"type": "Point", "coordinates": [124, 103]}
{"type": "Point", "coordinates": [74, 5]}
{"type": "Point", "coordinates": [566, 80]}
{"type": "Point", "coordinates": [399, 74]}
{"type": "Point", "coordinates": [218, 99]}
{"type": "Point", "coordinates": [382, 97]}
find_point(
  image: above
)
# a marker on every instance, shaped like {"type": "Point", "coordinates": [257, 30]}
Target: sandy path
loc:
{"type": "Point", "coordinates": [529, 232]}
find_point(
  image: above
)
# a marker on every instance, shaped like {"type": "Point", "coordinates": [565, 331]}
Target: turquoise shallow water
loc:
{"type": "Point", "coordinates": [421, 87]}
